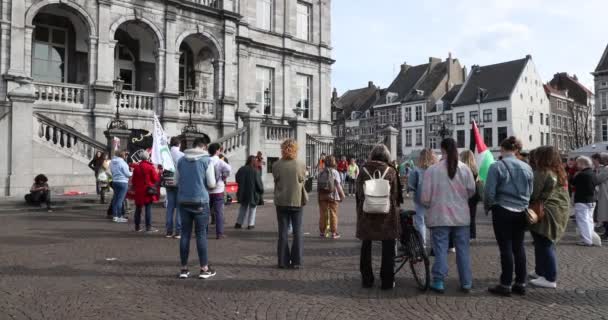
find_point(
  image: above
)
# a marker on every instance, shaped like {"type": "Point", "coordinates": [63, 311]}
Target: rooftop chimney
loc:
{"type": "Point", "coordinates": [404, 67]}
{"type": "Point", "coordinates": [334, 94]}
{"type": "Point", "coordinates": [448, 83]}
{"type": "Point", "coordinates": [370, 84]}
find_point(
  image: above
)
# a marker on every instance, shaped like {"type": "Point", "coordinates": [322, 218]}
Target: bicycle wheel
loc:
{"type": "Point", "coordinates": [419, 261]}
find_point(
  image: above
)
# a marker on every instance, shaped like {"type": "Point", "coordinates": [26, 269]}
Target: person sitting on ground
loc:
{"type": "Point", "coordinates": [40, 192]}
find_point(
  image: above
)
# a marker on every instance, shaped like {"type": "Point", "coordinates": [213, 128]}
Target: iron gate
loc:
{"type": "Point", "coordinates": [314, 149]}
{"type": "Point", "coordinates": [338, 147]}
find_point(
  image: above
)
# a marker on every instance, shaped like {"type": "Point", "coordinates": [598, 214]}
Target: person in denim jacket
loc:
{"type": "Point", "coordinates": [414, 183]}
{"type": "Point", "coordinates": [507, 194]}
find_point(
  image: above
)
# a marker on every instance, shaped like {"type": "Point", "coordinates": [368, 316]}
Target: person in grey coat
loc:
{"type": "Point", "coordinates": [249, 192]}
{"type": "Point", "coordinates": [600, 180]}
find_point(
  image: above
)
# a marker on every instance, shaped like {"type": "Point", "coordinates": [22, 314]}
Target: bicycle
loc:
{"type": "Point", "coordinates": [413, 251]}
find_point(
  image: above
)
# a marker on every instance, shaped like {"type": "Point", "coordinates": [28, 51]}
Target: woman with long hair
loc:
{"type": "Point", "coordinates": [249, 192]}
{"type": "Point", "coordinates": [507, 194]}
{"type": "Point", "coordinates": [468, 158]}
{"type": "Point", "coordinates": [378, 227]}
{"type": "Point", "coordinates": [414, 183]}
{"type": "Point", "coordinates": [447, 187]}
{"type": "Point", "coordinates": [550, 190]}
{"type": "Point", "coordinates": [289, 197]}
{"type": "Point", "coordinates": [95, 165]}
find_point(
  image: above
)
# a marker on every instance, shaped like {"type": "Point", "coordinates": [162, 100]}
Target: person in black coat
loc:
{"type": "Point", "coordinates": [249, 193]}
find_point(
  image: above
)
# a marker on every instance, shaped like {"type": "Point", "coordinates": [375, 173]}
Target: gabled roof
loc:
{"type": "Point", "coordinates": [357, 100]}
{"type": "Point", "coordinates": [448, 98]}
{"type": "Point", "coordinates": [498, 79]}
{"type": "Point", "coordinates": [404, 82]}
{"type": "Point", "coordinates": [564, 80]}
{"type": "Point", "coordinates": [549, 90]}
{"type": "Point", "coordinates": [429, 83]}
{"type": "Point", "coordinates": [603, 64]}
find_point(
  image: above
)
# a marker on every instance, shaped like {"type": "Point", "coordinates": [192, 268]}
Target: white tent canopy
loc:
{"type": "Point", "coordinates": [589, 150]}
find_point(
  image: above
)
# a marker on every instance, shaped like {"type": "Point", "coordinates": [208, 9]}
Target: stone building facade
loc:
{"type": "Point", "coordinates": [59, 58]}
{"type": "Point", "coordinates": [601, 95]}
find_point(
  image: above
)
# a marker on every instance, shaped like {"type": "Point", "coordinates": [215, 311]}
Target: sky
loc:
{"type": "Point", "coordinates": [372, 38]}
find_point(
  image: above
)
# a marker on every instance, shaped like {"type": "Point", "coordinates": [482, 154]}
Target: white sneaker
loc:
{"type": "Point", "coordinates": [115, 219]}
{"type": "Point", "coordinates": [453, 250]}
{"type": "Point", "coordinates": [533, 275]}
{"type": "Point", "coordinates": [122, 220]}
{"type": "Point", "coordinates": [543, 283]}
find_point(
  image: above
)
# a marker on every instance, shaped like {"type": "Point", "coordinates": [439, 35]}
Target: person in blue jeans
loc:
{"type": "Point", "coordinates": [172, 206]}
{"type": "Point", "coordinates": [195, 175]}
{"type": "Point", "coordinates": [447, 187]}
{"type": "Point", "coordinates": [120, 184]}
{"type": "Point", "coordinates": [414, 183]}
{"type": "Point", "coordinates": [507, 194]}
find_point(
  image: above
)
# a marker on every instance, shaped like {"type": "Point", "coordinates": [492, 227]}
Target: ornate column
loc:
{"type": "Point", "coordinates": [92, 42]}
{"type": "Point", "coordinates": [18, 44]}
{"type": "Point", "coordinates": [106, 45]}
{"type": "Point", "coordinates": [21, 143]}
{"type": "Point", "coordinates": [218, 70]}
{"type": "Point", "coordinates": [29, 30]}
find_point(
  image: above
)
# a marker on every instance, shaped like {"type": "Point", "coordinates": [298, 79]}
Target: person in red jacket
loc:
{"type": "Point", "coordinates": [146, 186]}
{"type": "Point", "coordinates": [342, 168]}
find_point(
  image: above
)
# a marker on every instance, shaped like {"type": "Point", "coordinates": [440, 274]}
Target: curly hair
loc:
{"type": "Point", "coordinates": [547, 158]}
{"type": "Point", "coordinates": [289, 149]}
{"type": "Point", "coordinates": [426, 159]}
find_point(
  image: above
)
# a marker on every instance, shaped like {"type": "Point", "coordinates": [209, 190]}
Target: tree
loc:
{"type": "Point", "coordinates": [579, 126]}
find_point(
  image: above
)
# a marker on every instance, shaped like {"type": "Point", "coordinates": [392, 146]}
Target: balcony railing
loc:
{"type": "Point", "coordinates": [215, 4]}
{"type": "Point", "coordinates": [137, 100]}
{"type": "Point", "coordinates": [60, 93]}
{"type": "Point", "coordinates": [201, 107]}
{"type": "Point", "coordinates": [278, 133]}
{"type": "Point", "coordinates": [234, 140]}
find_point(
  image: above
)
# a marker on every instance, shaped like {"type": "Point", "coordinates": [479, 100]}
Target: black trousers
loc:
{"type": "Point", "coordinates": [509, 229]}
{"type": "Point", "coordinates": [38, 198]}
{"type": "Point", "coordinates": [387, 267]}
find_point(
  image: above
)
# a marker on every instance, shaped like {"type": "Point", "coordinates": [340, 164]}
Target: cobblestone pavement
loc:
{"type": "Point", "coordinates": [57, 266]}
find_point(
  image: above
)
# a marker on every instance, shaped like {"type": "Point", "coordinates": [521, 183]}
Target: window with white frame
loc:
{"type": "Point", "coordinates": [418, 113]}
{"type": "Point", "coordinates": [474, 116]}
{"type": "Point", "coordinates": [408, 137]}
{"type": "Point", "coordinates": [408, 114]}
{"type": "Point", "coordinates": [460, 136]}
{"type": "Point", "coordinates": [501, 114]}
{"type": "Point", "coordinates": [419, 136]}
{"type": "Point", "coordinates": [604, 100]}
{"type": "Point", "coordinates": [542, 118]}
{"type": "Point", "coordinates": [604, 129]}
{"type": "Point", "coordinates": [433, 143]}
{"type": "Point", "coordinates": [487, 115]}
{"type": "Point", "coordinates": [303, 21]}
{"type": "Point", "coordinates": [264, 88]}
{"type": "Point", "coordinates": [264, 14]}
{"type": "Point", "coordinates": [460, 118]}
{"type": "Point", "coordinates": [303, 87]}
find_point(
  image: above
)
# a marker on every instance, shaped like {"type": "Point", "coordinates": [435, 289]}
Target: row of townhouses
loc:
{"type": "Point", "coordinates": [439, 99]}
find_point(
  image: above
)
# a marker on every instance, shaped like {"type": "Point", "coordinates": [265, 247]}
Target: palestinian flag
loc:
{"type": "Point", "coordinates": [483, 156]}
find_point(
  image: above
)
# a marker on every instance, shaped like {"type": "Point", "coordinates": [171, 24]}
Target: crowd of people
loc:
{"type": "Point", "coordinates": [522, 193]}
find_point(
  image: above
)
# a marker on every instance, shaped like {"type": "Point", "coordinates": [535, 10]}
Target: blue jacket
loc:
{"type": "Point", "coordinates": [194, 176]}
{"type": "Point", "coordinates": [414, 183]}
{"type": "Point", "coordinates": [120, 170]}
{"type": "Point", "coordinates": [509, 190]}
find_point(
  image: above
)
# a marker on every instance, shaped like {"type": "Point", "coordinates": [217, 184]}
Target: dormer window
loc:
{"type": "Point", "coordinates": [391, 97]}
{"type": "Point", "coordinates": [355, 115]}
{"type": "Point", "coordinates": [439, 106]}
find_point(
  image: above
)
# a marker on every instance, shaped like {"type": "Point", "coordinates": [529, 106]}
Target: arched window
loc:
{"type": "Point", "coordinates": [49, 59]}
{"type": "Point", "coordinates": [125, 68]}
{"type": "Point", "coordinates": [186, 68]}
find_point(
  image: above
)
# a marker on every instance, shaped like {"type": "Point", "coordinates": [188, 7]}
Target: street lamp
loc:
{"type": "Point", "coordinates": [267, 101]}
{"type": "Point", "coordinates": [118, 123]}
{"type": "Point", "coordinates": [445, 130]}
{"type": "Point", "coordinates": [190, 94]}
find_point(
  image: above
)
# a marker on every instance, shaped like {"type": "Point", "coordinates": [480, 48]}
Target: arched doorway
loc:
{"type": "Point", "coordinates": [60, 49]}
{"type": "Point", "coordinates": [136, 55]}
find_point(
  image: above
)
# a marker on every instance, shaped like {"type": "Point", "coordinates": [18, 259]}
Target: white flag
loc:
{"type": "Point", "coordinates": [160, 147]}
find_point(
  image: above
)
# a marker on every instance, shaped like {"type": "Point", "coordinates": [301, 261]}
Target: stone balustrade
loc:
{"type": "Point", "coordinates": [60, 93]}
{"type": "Point", "coordinates": [136, 100]}
{"type": "Point", "coordinates": [234, 140]}
{"type": "Point", "coordinates": [215, 4]}
{"type": "Point", "coordinates": [200, 107]}
{"type": "Point", "coordinates": [278, 133]}
{"type": "Point", "coordinates": [67, 139]}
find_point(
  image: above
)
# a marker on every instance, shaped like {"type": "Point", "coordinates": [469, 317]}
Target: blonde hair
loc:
{"type": "Point", "coordinates": [289, 149]}
{"type": "Point", "coordinates": [468, 158]}
{"type": "Point", "coordinates": [426, 159]}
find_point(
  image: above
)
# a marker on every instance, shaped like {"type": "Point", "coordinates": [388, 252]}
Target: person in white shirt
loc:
{"type": "Point", "coordinates": [172, 206]}
{"type": "Point", "coordinates": [216, 195]}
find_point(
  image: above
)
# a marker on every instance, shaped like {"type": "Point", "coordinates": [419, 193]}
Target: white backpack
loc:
{"type": "Point", "coordinates": [377, 193]}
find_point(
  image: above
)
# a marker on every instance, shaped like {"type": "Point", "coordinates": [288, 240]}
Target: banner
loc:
{"type": "Point", "coordinates": [160, 147]}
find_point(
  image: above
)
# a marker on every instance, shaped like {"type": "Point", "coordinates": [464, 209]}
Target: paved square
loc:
{"type": "Point", "coordinates": [75, 264]}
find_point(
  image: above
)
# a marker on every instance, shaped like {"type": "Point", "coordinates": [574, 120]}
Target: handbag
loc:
{"type": "Point", "coordinates": [151, 191]}
{"type": "Point", "coordinates": [304, 196]}
{"type": "Point", "coordinates": [539, 208]}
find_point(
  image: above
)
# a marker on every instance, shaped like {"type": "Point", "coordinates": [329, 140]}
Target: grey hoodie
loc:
{"type": "Point", "coordinates": [194, 176]}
